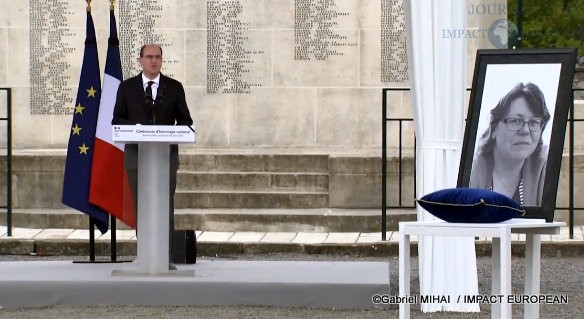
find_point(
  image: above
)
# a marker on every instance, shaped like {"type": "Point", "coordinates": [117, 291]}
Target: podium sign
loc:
{"type": "Point", "coordinates": [153, 191]}
{"type": "Point", "coordinates": [152, 133]}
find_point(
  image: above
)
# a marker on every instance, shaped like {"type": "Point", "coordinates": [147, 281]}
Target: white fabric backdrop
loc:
{"type": "Point", "coordinates": [437, 70]}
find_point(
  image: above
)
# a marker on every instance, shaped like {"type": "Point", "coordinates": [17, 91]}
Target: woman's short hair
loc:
{"type": "Point", "coordinates": [535, 101]}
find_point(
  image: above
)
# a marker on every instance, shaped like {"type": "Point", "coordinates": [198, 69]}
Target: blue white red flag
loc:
{"type": "Point", "coordinates": [80, 150]}
{"type": "Point", "coordinates": [110, 189]}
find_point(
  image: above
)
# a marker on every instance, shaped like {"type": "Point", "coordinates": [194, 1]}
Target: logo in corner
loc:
{"type": "Point", "coordinates": [503, 34]}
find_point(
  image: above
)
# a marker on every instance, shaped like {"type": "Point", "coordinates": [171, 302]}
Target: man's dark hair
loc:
{"type": "Point", "coordinates": [145, 45]}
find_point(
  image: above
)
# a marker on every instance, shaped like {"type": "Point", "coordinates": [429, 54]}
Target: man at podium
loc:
{"type": "Point", "coordinates": [151, 98]}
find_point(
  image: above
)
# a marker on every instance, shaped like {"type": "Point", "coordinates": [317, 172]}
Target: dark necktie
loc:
{"type": "Point", "coordinates": [149, 99]}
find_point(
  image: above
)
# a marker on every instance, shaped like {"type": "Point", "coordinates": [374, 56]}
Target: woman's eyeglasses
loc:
{"type": "Point", "coordinates": [515, 124]}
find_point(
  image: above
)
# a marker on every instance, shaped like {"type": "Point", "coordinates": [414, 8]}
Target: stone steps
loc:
{"type": "Point", "coordinates": [250, 199]}
{"type": "Point", "coordinates": [293, 179]}
{"type": "Point", "coordinates": [241, 162]}
{"type": "Point", "coordinates": [289, 181]}
{"type": "Point", "coordinates": [230, 220]}
{"type": "Point", "coordinates": [210, 181]}
{"type": "Point", "coordinates": [243, 179]}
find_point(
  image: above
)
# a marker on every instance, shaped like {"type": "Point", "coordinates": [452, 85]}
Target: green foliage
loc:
{"type": "Point", "coordinates": [550, 23]}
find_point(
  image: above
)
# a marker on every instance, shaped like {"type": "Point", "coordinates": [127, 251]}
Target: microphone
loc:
{"type": "Point", "coordinates": [160, 94]}
{"type": "Point", "coordinates": [157, 102]}
{"type": "Point", "coordinates": [148, 93]}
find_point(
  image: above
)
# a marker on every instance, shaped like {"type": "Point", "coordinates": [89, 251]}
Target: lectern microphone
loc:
{"type": "Point", "coordinates": [160, 94]}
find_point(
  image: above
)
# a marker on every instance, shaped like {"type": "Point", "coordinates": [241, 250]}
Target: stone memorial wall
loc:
{"type": "Point", "coordinates": [300, 74]}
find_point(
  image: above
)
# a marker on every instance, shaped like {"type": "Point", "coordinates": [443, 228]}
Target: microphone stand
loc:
{"type": "Point", "coordinates": [159, 100]}
{"type": "Point", "coordinates": [153, 113]}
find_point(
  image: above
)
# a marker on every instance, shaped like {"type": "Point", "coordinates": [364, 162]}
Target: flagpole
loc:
{"type": "Point", "coordinates": [80, 152]}
{"type": "Point", "coordinates": [113, 241]}
{"type": "Point", "coordinates": [91, 240]}
{"type": "Point", "coordinates": [91, 221]}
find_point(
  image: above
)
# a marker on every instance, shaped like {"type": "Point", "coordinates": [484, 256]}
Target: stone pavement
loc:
{"type": "Point", "coordinates": [74, 242]}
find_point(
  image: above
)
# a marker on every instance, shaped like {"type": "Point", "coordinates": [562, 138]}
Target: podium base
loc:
{"type": "Point", "coordinates": [184, 246]}
{"type": "Point", "coordinates": [136, 273]}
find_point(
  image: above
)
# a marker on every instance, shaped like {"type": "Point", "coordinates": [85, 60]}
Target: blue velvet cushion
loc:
{"type": "Point", "coordinates": [470, 205]}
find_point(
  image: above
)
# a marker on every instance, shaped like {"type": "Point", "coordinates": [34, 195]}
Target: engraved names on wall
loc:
{"type": "Point", "coordinates": [229, 60]}
{"type": "Point", "coordinates": [394, 60]}
{"type": "Point", "coordinates": [233, 63]}
{"type": "Point", "coordinates": [315, 35]}
{"type": "Point", "coordinates": [50, 53]}
{"type": "Point", "coordinates": [137, 24]}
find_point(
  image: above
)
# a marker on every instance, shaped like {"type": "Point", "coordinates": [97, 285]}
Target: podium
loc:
{"type": "Point", "coordinates": [153, 189]}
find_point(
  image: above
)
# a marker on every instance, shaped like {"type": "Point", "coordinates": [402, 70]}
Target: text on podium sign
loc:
{"type": "Point", "coordinates": [153, 133]}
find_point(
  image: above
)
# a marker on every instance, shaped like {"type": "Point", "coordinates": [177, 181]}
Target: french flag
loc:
{"type": "Point", "coordinates": [109, 187]}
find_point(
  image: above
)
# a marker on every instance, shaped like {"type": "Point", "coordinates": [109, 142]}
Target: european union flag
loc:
{"type": "Point", "coordinates": [81, 140]}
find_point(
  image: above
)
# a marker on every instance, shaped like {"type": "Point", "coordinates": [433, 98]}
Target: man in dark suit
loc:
{"type": "Point", "coordinates": [151, 98]}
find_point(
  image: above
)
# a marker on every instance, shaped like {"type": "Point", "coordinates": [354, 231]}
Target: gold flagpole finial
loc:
{"type": "Point", "coordinates": [112, 4]}
{"type": "Point", "coordinates": [88, 5]}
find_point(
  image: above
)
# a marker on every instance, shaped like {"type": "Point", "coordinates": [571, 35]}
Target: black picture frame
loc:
{"type": "Point", "coordinates": [551, 70]}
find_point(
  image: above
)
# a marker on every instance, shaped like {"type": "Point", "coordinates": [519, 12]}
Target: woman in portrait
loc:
{"type": "Point", "coordinates": [511, 156]}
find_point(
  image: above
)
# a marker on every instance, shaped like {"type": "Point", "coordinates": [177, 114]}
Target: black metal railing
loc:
{"type": "Point", "coordinates": [400, 121]}
{"type": "Point", "coordinates": [8, 119]}
{"type": "Point", "coordinates": [571, 123]}
{"type": "Point", "coordinates": [571, 208]}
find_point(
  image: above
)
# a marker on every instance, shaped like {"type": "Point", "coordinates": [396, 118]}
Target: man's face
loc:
{"type": "Point", "coordinates": [151, 61]}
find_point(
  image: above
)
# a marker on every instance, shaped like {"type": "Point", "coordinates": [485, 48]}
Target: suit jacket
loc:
{"type": "Point", "coordinates": [170, 108]}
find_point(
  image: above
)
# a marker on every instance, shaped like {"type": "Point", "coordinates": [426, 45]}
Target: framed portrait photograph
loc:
{"type": "Point", "coordinates": [516, 125]}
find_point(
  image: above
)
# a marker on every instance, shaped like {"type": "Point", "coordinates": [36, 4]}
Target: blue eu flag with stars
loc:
{"type": "Point", "coordinates": [82, 133]}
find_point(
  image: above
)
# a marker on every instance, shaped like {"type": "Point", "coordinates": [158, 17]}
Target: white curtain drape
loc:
{"type": "Point", "coordinates": [437, 65]}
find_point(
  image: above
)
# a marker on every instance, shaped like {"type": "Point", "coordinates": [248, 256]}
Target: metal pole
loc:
{"type": "Point", "coordinates": [9, 163]}
{"type": "Point", "coordinates": [383, 164]}
{"type": "Point", "coordinates": [91, 240]}
{"type": "Point", "coordinates": [571, 168]}
{"type": "Point", "coordinates": [113, 240]}
{"type": "Point", "coordinates": [519, 22]}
